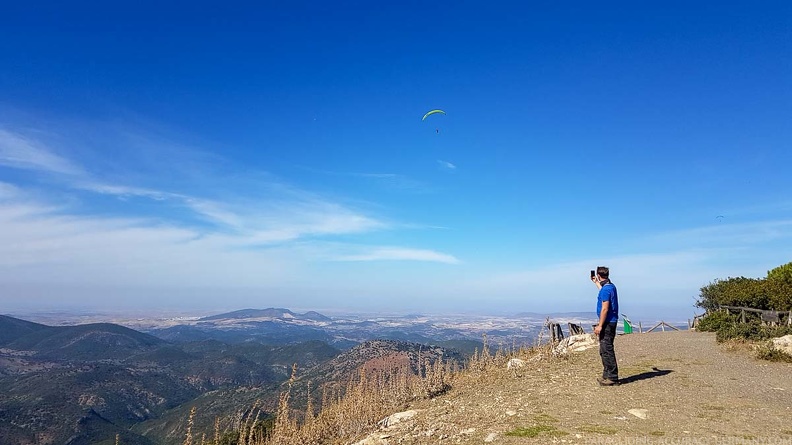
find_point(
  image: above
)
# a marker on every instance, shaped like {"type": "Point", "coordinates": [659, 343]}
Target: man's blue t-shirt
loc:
{"type": "Point", "coordinates": [608, 293]}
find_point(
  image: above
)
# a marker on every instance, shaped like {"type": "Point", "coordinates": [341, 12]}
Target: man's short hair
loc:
{"type": "Point", "coordinates": [603, 271]}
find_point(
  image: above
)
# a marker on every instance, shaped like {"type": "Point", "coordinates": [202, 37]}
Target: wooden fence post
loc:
{"type": "Point", "coordinates": [556, 334]}
{"type": "Point", "coordinates": [653, 327]}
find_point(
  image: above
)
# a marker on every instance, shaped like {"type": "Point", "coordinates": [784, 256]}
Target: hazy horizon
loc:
{"type": "Point", "coordinates": [110, 314]}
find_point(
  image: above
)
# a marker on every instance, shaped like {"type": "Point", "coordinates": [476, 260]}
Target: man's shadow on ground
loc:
{"type": "Point", "coordinates": [645, 375]}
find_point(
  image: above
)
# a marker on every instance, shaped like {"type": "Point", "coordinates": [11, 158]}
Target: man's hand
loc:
{"type": "Point", "coordinates": [603, 317]}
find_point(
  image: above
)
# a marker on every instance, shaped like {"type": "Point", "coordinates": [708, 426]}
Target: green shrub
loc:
{"type": "Point", "coordinates": [740, 331]}
{"type": "Point", "coordinates": [739, 291]}
{"type": "Point", "coordinates": [768, 352]}
{"type": "Point", "coordinates": [773, 292]}
{"type": "Point", "coordinates": [714, 321]}
{"type": "Point", "coordinates": [781, 273]}
{"type": "Point", "coordinates": [750, 331]}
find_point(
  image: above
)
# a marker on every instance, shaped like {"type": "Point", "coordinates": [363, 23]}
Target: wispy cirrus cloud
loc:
{"type": "Point", "coordinates": [289, 216]}
{"type": "Point", "coordinates": [385, 253]}
{"type": "Point", "coordinates": [722, 235]}
{"type": "Point", "coordinates": [43, 246]}
{"type": "Point", "coordinates": [123, 191]}
{"type": "Point", "coordinates": [394, 181]}
{"type": "Point", "coordinates": [20, 152]}
{"type": "Point", "coordinates": [39, 244]}
{"type": "Point", "coordinates": [249, 223]}
{"type": "Point", "coordinates": [445, 165]}
{"type": "Point", "coordinates": [309, 222]}
{"type": "Point", "coordinates": [8, 191]}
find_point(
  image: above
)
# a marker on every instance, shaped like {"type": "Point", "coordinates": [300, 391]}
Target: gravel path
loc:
{"type": "Point", "coordinates": [692, 390]}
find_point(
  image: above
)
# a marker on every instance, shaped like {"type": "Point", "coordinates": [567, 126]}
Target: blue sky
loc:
{"type": "Point", "coordinates": [227, 155]}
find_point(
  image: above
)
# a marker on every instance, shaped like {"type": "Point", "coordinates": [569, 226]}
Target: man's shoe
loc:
{"type": "Point", "coordinates": [607, 382]}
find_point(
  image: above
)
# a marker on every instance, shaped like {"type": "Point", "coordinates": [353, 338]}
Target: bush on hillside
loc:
{"type": "Point", "coordinates": [781, 273]}
{"type": "Point", "coordinates": [750, 331]}
{"type": "Point", "coordinates": [716, 320]}
{"type": "Point", "coordinates": [773, 292]}
{"type": "Point", "coordinates": [779, 293]}
{"type": "Point", "coordinates": [740, 291]}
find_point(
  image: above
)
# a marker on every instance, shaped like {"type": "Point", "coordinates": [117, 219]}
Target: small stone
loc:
{"type": "Point", "coordinates": [783, 344]}
{"type": "Point", "coordinates": [468, 431]}
{"type": "Point", "coordinates": [638, 412]}
{"type": "Point", "coordinates": [396, 418]}
{"type": "Point", "coordinates": [511, 413]}
{"type": "Point", "coordinates": [490, 437]}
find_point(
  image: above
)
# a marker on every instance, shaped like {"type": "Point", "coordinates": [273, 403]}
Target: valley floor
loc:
{"type": "Point", "coordinates": [692, 389]}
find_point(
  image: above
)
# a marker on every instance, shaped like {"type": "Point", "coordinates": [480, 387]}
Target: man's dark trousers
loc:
{"type": "Point", "coordinates": [610, 370]}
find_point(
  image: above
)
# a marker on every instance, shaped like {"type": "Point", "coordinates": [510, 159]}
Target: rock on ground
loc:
{"type": "Point", "coordinates": [638, 412]}
{"type": "Point", "coordinates": [783, 344]}
{"type": "Point", "coordinates": [393, 419]}
{"type": "Point", "coordinates": [576, 343]}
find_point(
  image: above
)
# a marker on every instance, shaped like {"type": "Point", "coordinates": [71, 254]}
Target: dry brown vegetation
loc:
{"type": "Point", "coordinates": [379, 388]}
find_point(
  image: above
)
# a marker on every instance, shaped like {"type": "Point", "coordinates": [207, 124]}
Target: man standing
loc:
{"type": "Point", "coordinates": [608, 313]}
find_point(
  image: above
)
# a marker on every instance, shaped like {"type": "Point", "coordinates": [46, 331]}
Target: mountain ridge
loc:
{"type": "Point", "coordinates": [86, 383]}
{"type": "Point", "coordinates": [12, 329]}
{"type": "Point", "coordinates": [280, 313]}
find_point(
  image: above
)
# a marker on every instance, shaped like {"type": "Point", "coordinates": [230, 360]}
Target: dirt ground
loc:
{"type": "Point", "coordinates": [693, 391]}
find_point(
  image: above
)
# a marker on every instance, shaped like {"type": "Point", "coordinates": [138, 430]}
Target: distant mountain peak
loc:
{"type": "Point", "coordinates": [315, 316]}
{"type": "Point", "coordinates": [280, 313]}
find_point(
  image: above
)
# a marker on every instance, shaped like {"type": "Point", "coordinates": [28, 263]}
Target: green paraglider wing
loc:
{"type": "Point", "coordinates": [431, 113]}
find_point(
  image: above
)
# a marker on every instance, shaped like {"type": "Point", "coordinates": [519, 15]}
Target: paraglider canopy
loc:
{"type": "Point", "coordinates": [431, 113]}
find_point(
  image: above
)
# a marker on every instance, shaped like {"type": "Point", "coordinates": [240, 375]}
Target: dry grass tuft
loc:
{"type": "Point", "coordinates": [188, 439]}
{"type": "Point", "coordinates": [536, 431]}
{"type": "Point", "coordinates": [346, 414]}
{"type": "Point", "coordinates": [598, 429]}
